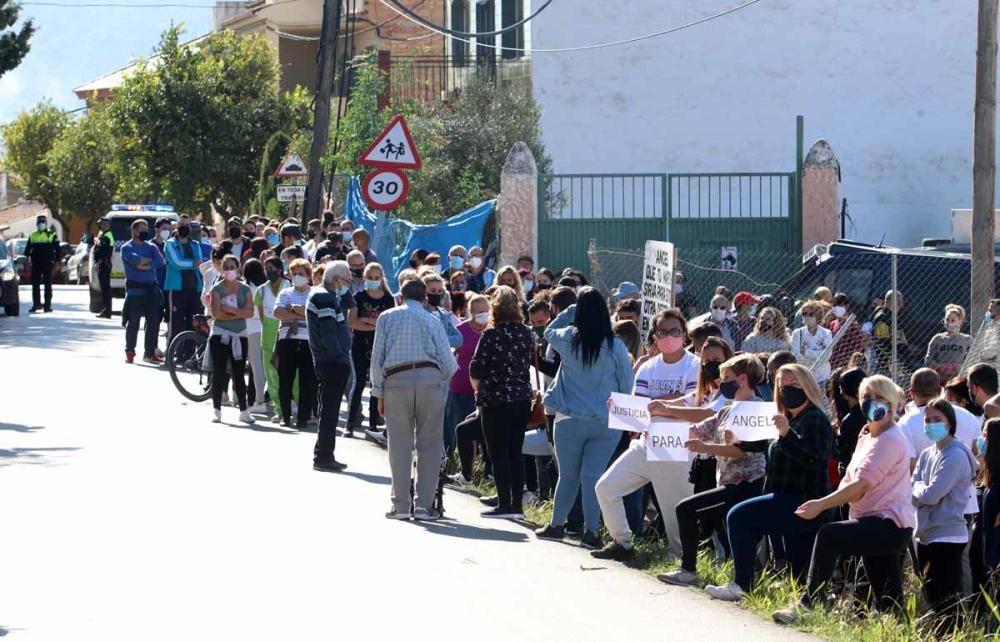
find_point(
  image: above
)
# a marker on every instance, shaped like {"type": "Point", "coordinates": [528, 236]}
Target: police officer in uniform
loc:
{"type": "Point", "coordinates": [103, 252]}
{"type": "Point", "coordinates": [43, 250]}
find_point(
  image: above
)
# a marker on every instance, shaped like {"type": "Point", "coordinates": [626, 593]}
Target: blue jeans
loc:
{"type": "Point", "coordinates": [583, 448]}
{"type": "Point", "coordinates": [772, 514]}
{"type": "Point", "coordinates": [143, 306]}
{"type": "Point", "coordinates": [459, 407]}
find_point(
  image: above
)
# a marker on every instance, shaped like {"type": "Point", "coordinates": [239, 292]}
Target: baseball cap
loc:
{"type": "Point", "coordinates": [745, 298]}
{"type": "Point", "coordinates": [625, 289]}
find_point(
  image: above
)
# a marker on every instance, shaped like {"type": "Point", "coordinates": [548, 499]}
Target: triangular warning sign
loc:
{"type": "Point", "coordinates": [291, 165]}
{"type": "Point", "coordinates": [394, 147]}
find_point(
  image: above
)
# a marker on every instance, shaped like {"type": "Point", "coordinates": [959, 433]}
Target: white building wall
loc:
{"type": "Point", "coordinates": [889, 83]}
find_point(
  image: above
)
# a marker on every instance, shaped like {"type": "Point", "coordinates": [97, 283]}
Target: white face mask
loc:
{"type": "Point", "coordinates": [346, 236]}
{"type": "Point", "coordinates": [164, 234]}
{"type": "Point", "coordinates": [438, 268]}
{"type": "Point", "coordinates": [476, 262]}
{"type": "Point", "coordinates": [298, 280]}
{"type": "Point", "coordinates": [482, 318]}
{"type": "Point", "coordinates": [41, 227]}
{"type": "Point", "coordinates": [529, 285]}
{"type": "Point", "coordinates": [718, 315]}
{"type": "Point", "coordinates": [839, 311]}
{"type": "Point", "coordinates": [953, 327]}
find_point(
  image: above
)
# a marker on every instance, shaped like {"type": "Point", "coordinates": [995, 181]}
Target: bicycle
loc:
{"type": "Point", "coordinates": [186, 359]}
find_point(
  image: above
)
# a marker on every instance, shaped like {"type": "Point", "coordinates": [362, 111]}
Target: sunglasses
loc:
{"type": "Point", "coordinates": [673, 332]}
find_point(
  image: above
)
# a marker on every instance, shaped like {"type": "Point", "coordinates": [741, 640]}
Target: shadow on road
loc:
{"type": "Point", "coordinates": [34, 456]}
{"type": "Point", "coordinates": [20, 427]}
{"type": "Point", "coordinates": [365, 477]}
{"type": "Point", "coordinates": [48, 333]}
{"type": "Point", "coordinates": [467, 531]}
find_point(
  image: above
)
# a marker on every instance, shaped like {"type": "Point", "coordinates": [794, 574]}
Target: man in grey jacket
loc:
{"type": "Point", "coordinates": [330, 343]}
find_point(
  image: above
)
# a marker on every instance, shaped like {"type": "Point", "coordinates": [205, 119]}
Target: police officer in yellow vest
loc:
{"type": "Point", "coordinates": [43, 250]}
{"type": "Point", "coordinates": [103, 252]}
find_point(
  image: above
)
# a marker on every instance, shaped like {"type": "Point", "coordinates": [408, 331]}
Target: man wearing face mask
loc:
{"type": "Point", "coordinates": [456, 262]}
{"type": "Point", "coordinates": [330, 344]}
{"type": "Point", "coordinates": [434, 285]}
{"type": "Point", "coordinates": [332, 248]}
{"type": "Point", "coordinates": [42, 249]}
{"type": "Point", "coordinates": [143, 298]}
{"type": "Point", "coordinates": [234, 227]}
{"type": "Point", "coordinates": [104, 249]}
{"type": "Point", "coordinates": [480, 276]}
{"type": "Point", "coordinates": [356, 263]}
{"type": "Point", "coordinates": [183, 281]}
{"type": "Point", "coordinates": [347, 234]}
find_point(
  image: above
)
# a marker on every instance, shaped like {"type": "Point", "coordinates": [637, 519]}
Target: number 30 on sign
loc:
{"type": "Point", "coordinates": [385, 189]}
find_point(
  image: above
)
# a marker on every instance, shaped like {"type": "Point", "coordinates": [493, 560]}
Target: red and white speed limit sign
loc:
{"type": "Point", "coordinates": [385, 189]}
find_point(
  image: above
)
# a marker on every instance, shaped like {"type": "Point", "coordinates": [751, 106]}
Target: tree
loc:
{"type": "Point", "coordinates": [81, 166]}
{"type": "Point", "coordinates": [28, 139]}
{"type": "Point", "coordinates": [14, 45]}
{"type": "Point", "coordinates": [193, 127]}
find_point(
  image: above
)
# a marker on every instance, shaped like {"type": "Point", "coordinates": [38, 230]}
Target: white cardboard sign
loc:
{"type": "Point", "coordinates": [628, 413]}
{"type": "Point", "coordinates": [665, 441]}
{"type": "Point", "coordinates": [657, 282]}
{"type": "Point", "coordinates": [752, 420]}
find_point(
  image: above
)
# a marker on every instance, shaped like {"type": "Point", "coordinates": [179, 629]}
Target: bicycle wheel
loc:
{"type": "Point", "coordinates": [184, 359]}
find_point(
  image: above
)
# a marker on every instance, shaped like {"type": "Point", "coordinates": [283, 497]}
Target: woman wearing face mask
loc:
{"type": "Point", "coordinates": [719, 314]}
{"type": "Point", "coordinates": [668, 377]}
{"type": "Point", "coordinates": [264, 298]}
{"type": "Point", "coordinates": [294, 358]}
{"type": "Point", "coordinates": [797, 471]}
{"type": "Point", "coordinates": [544, 280]}
{"type": "Point", "coordinates": [853, 340]}
{"type": "Point", "coordinates": [810, 342]}
{"type": "Point", "coordinates": [528, 283]}
{"type": "Point", "coordinates": [941, 495]}
{"type": "Point", "coordinates": [988, 446]}
{"type": "Point", "coordinates": [880, 524]}
{"type": "Point", "coordinates": [769, 334]}
{"type": "Point", "coordinates": [739, 474]}
{"type": "Point", "coordinates": [232, 305]}
{"type": "Point", "coordinates": [271, 234]}
{"type": "Point", "coordinates": [593, 364]}
{"type": "Point", "coordinates": [255, 276]}
{"type": "Point", "coordinates": [371, 302]}
{"type": "Point", "coordinates": [704, 401]}
{"type": "Point", "coordinates": [947, 350]}
{"type": "Point", "coordinates": [461, 397]}
{"type": "Point", "coordinates": [458, 282]}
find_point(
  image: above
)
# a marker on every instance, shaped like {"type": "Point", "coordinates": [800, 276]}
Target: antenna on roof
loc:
{"type": "Point", "coordinates": [881, 240]}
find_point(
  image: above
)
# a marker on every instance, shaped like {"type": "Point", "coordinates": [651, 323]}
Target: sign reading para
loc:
{"type": "Point", "coordinates": [628, 413]}
{"type": "Point", "coordinates": [657, 282]}
{"type": "Point", "coordinates": [385, 189]}
{"type": "Point", "coordinates": [665, 441]}
{"type": "Point", "coordinates": [752, 420]}
{"type": "Point", "coordinates": [393, 148]}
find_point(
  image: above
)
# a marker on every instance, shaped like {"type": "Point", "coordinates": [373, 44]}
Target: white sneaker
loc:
{"type": "Point", "coordinates": [377, 436]}
{"type": "Point", "coordinates": [529, 499]}
{"type": "Point", "coordinates": [679, 577]}
{"type": "Point", "coordinates": [276, 419]}
{"type": "Point", "coordinates": [460, 480]}
{"type": "Point", "coordinates": [246, 417]}
{"type": "Point", "coordinates": [259, 409]}
{"type": "Point", "coordinates": [216, 415]}
{"type": "Point", "coordinates": [729, 593]}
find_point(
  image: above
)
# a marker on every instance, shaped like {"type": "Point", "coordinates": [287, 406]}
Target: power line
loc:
{"type": "Point", "coordinates": [133, 5]}
{"type": "Point", "coordinates": [603, 45]}
{"type": "Point", "coordinates": [413, 16]}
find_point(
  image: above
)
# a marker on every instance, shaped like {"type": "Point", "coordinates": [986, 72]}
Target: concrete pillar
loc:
{"type": "Point", "coordinates": [820, 196]}
{"type": "Point", "coordinates": [517, 210]}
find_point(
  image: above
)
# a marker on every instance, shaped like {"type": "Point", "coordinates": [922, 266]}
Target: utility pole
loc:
{"type": "Point", "coordinates": [321, 110]}
{"type": "Point", "coordinates": [984, 161]}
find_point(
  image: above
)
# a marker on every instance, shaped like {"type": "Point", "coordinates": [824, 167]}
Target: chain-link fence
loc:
{"type": "Point", "coordinates": [848, 289]}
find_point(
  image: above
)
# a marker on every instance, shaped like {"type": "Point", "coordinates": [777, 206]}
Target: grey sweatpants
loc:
{"type": "Point", "coordinates": [414, 415]}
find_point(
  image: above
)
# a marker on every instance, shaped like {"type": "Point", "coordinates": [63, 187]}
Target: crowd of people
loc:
{"type": "Point", "coordinates": [506, 375]}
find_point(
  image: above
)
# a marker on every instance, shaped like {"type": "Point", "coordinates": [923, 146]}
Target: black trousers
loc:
{"type": "Point", "coordinates": [184, 304]}
{"type": "Point", "coordinates": [104, 281]}
{"type": "Point", "coordinates": [143, 307]}
{"type": "Point", "coordinates": [41, 272]}
{"type": "Point", "coordinates": [468, 433]}
{"type": "Point", "coordinates": [333, 379]}
{"type": "Point", "coordinates": [503, 428]}
{"type": "Point", "coordinates": [941, 568]}
{"type": "Point", "coordinates": [222, 356]}
{"type": "Point", "coordinates": [709, 508]}
{"type": "Point", "coordinates": [362, 357]}
{"type": "Point", "coordinates": [878, 541]}
{"type": "Point", "coordinates": [294, 357]}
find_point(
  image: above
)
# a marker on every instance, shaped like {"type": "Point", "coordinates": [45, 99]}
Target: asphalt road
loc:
{"type": "Point", "coordinates": [126, 515]}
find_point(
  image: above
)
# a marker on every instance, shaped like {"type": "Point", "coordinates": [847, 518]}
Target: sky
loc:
{"type": "Point", "coordinates": [72, 46]}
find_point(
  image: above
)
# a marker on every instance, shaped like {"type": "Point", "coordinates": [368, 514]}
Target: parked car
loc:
{"type": "Point", "coordinates": [122, 217]}
{"type": "Point", "coordinates": [15, 247]}
{"type": "Point", "coordinates": [8, 283]}
{"type": "Point", "coordinates": [59, 267]}
{"type": "Point", "coordinates": [78, 265]}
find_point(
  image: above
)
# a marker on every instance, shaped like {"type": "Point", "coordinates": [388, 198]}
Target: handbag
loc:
{"type": "Point", "coordinates": [537, 416]}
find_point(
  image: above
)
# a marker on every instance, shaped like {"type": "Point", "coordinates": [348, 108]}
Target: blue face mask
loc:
{"type": "Point", "coordinates": [342, 290]}
{"type": "Point", "coordinates": [874, 410]}
{"type": "Point", "coordinates": [273, 239]}
{"type": "Point", "coordinates": [372, 285]}
{"type": "Point", "coordinates": [285, 265]}
{"type": "Point", "coordinates": [981, 446]}
{"type": "Point", "coordinates": [936, 430]}
{"type": "Point", "coordinates": [456, 263]}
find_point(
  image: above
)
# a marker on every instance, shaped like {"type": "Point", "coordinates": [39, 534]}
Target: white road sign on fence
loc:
{"type": "Point", "coordinates": [291, 193]}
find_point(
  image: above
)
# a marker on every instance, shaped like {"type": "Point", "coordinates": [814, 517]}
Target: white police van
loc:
{"type": "Point", "coordinates": [122, 217]}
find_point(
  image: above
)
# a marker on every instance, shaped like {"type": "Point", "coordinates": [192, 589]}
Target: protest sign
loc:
{"type": "Point", "coordinates": [665, 441]}
{"type": "Point", "coordinates": [628, 413]}
{"type": "Point", "coordinates": [752, 420]}
{"type": "Point", "coordinates": [657, 282]}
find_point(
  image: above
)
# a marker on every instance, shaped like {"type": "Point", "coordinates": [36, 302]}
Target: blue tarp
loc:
{"type": "Point", "coordinates": [394, 240]}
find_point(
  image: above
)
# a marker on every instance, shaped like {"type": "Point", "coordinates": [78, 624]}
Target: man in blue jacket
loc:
{"type": "Point", "coordinates": [183, 282]}
{"type": "Point", "coordinates": [143, 298]}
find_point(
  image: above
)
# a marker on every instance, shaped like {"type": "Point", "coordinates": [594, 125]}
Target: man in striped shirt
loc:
{"type": "Point", "coordinates": [411, 360]}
